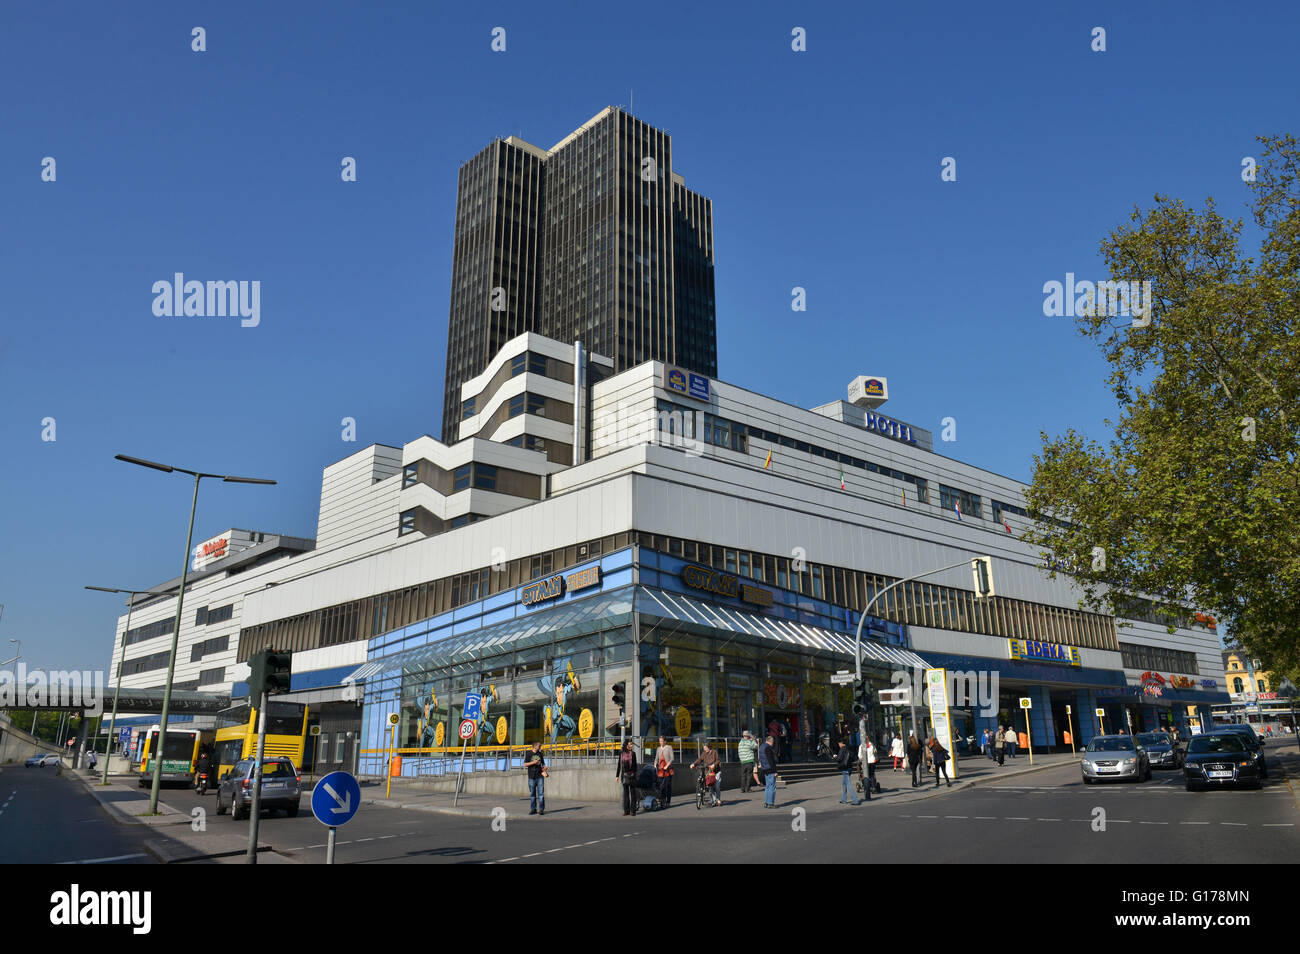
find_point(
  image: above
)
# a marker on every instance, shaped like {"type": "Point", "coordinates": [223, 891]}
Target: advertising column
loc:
{"type": "Point", "coordinates": [936, 693]}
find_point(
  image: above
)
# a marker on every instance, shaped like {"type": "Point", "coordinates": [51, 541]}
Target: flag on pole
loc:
{"type": "Point", "coordinates": [904, 496]}
{"type": "Point", "coordinates": [767, 463]}
{"type": "Point", "coordinates": [956, 506]}
{"type": "Point", "coordinates": [842, 478]}
{"type": "Point", "coordinates": [1005, 524]}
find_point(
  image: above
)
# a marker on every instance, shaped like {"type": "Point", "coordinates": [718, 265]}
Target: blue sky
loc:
{"type": "Point", "coordinates": [823, 167]}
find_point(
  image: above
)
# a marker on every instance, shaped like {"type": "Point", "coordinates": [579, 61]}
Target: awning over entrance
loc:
{"type": "Point", "coordinates": [688, 610]}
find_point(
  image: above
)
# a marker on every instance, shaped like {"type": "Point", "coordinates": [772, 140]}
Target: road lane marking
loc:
{"type": "Point", "coordinates": [954, 816]}
{"type": "Point", "coordinates": [1153, 823]}
{"type": "Point", "coordinates": [1279, 825]}
{"type": "Point", "coordinates": [553, 850]}
{"type": "Point", "coordinates": [533, 855]}
{"type": "Point", "coordinates": [360, 840]}
{"type": "Point", "coordinates": [1049, 819]}
{"type": "Point", "coordinates": [1119, 821]}
{"type": "Point", "coordinates": [1234, 824]}
{"type": "Point", "coordinates": [1193, 823]}
{"type": "Point", "coordinates": [986, 817]}
{"type": "Point", "coordinates": [596, 842]}
{"type": "Point", "coordinates": [1016, 818]}
{"type": "Point", "coordinates": [927, 816]}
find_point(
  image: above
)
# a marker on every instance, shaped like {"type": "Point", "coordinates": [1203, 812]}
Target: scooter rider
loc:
{"type": "Point", "coordinates": [203, 768]}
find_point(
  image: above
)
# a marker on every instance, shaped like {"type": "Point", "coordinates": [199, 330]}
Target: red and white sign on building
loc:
{"type": "Point", "coordinates": [222, 546]}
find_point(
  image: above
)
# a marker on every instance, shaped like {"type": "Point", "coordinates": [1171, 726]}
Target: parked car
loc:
{"type": "Point", "coordinates": [1162, 751]}
{"type": "Point", "coordinates": [1114, 756]}
{"type": "Point", "coordinates": [281, 788]}
{"type": "Point", "coordinates": [1254, 744]}
{"type": "Point", "coordinates": [40, 761]}
{"type": "Point", "coordinates": [1219, 758]}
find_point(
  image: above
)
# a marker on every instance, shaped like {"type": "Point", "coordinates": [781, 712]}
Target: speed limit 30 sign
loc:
{"type": "Point", "coordinates": [467, 728]}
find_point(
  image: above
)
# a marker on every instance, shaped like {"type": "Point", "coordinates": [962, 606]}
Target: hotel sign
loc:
{"type": "Point", "coordinates": [1029, 650]}
{"type": "Point", "coordinates": [889, 427]}
{"type": "Point", "coordinates": [689, 383]}
{"type": "Point", "coordinates": [724, 584]}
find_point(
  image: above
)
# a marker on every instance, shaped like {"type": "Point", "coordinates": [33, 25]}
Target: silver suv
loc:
{"type": "Point", "coordinates": [281, 788]}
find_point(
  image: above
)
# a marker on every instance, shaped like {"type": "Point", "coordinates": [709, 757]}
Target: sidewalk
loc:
{"type": "Point", "coordinates": [821, 792]}
{"type": "Point", "coordinates": [177, 840]}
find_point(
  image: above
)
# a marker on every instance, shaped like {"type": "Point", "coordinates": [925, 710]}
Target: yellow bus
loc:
{"type": "Point", "coordinates": [180, 754]}
{"type": "Point", "coordinates": [286, 734]}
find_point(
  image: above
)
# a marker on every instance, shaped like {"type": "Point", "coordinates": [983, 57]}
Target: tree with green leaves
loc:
{"type": "Point", "coordinates": [1195, 500]}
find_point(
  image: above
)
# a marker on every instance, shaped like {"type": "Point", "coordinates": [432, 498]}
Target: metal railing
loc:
{"type": "Point", "coordinates": [434, 761]}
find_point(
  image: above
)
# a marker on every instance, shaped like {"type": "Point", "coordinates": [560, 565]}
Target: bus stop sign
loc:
{"type": "Point", "coordinates": [335, 799]}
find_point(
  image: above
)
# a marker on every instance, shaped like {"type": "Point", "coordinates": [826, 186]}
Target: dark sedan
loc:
{"type": "Point", "coordinates": [1253, 743]}
{"type": "Point", "coordinates": [1161, 750]}
{"type": "Point", "coordinates": [1215, 759]}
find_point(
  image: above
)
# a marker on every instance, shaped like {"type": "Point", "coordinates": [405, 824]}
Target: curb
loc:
{"type": "Point", "coordinates": [94, 790]}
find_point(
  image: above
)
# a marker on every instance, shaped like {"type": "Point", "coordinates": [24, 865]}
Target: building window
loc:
{"type": "Point", "coordinates": [485, 477]}
{"type": "Point", "coordinates": [516, 406]}
{"type": "Point", "coordinates": [324, 755]}
{"type": "Point", "coordinates": [210, 677]}
{"type": "Point", "coordinates": [970, 503]}
{"type": "Point", "coordinates": [460, 478]}
{"type": "Point", "coordinates": [1261, 686]}
{"type": "Point", "coordinates": [410, 475]}
{"type": "Point", "coordinates": [407, 523]}
{"type": "Point", "coordinates": [1236, 684]}
{"type": "Point", "coordinates": [201, 616]}
{"type": "Point", "coordinates": [467, 408]}
{"type": "Point", "coordinates": [338, 747]}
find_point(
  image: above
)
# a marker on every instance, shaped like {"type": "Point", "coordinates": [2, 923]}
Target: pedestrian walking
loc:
{"type": "Point", "coordinates": [1011, 740]}
{"type": "Point", "coordinates": [939, 758]}
{"type": "Point", "coordinates": [1000, 745]}
{"type": "Point", "coordinates": [897, 752]}
{"type": "Point", "coordinates": [844, 762]}
{"type": "Point", "coordinates": [748, 750]}
{"type": "Point", "coordinates": [664, 770]}
{"type": "Point", "coordinates": [867, 768]}
{"type": "Point", "coordinates": [627, 775]}
{"type": "Point", "coordinates": [767, 771]}
{"type": "Point", "coordinates": [914, 755]}
{"type": "Point", "coordinates": [92, 759]}
{"type": "Point", "coordinates": [537, 776]}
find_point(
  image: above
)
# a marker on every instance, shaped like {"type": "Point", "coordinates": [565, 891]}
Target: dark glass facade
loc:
{"type": "Point", "coordinates": [597, 242]}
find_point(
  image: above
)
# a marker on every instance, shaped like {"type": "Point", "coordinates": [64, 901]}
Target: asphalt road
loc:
{"type": "Point", "coordinates": [46, 819]}
{"type": "Point", "coordinates": [1047, 816]}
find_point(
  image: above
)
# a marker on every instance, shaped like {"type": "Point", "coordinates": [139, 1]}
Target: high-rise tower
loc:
{"type": "Point", "coordinates": [596, 240]}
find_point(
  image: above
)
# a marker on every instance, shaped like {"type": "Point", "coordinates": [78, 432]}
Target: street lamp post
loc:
{"type": "Point", "coordinates": [117, 688]}
{"type": "Point", "coordinates": [857, 639]}
{"type": "Point", "coordinates": [180, 600]}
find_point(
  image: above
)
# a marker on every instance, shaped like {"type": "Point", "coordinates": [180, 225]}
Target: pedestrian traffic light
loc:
{"type": "Point", "coordinates": [861, 696]}
{"type": "Point", "coordinates": [620, 695]}
{"type": "Point", "coordinates": [268, 672]}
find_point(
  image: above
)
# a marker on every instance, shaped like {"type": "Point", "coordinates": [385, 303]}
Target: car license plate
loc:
{"type": "Point", "coordinates": [1219, 774]}
{"type": "Point", "coordinates": [273, 785]}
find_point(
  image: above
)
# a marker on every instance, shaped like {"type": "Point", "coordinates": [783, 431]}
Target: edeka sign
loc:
{"type": "Point", "coordinates": [1027, 650]}
{"type": "Point", "coordinates": [687, 382]}
{"type": "Point", "coordinates": [541, 591]}
{"type": "Point", "coordinates": [724, 584]}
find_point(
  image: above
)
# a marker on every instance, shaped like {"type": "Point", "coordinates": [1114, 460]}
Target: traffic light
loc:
{"type": "Point", "coordinates": [620, 695]}
{"type": "Point", "coordinates": [268, 671]}
{"type": "Point", "coordinates": [982, 569]}
{"type": "Point", "coordinates": [862, 693]}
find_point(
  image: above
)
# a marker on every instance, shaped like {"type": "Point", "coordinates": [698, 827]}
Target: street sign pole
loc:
{"type": "Point", "coordinates": [329, 846]}
{"type": "Point", "coordinates": [1069, 717]}
{"type": "Point", "coordinates": [1026, 703]}
{"type": "Point", "coordinates": [468, 727]}
{"type": "Point", "coordinates": [256, 811]}
{"type": "Point", "coordinates": [332, 809]}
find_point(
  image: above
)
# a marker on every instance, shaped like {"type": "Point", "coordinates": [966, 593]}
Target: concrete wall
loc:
{"type": "Point", "coordinates": [17, 745]}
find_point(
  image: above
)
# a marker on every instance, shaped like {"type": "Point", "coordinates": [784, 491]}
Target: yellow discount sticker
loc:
{"type": "Point", "coordinates": [586, 724]}
{"type": "Point", "coordinates": [683, 721]}
{"type": "Point", "coordinates": [501, 730]}
{"type": "Point", "coordinates": [439, 734]}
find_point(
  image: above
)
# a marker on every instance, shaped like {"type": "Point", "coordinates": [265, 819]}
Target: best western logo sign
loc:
{"type": "Point", "coordinates": [687, 382]}
{"type": "Point", "coordinates": [724, 584]}
{"type": "Point", "coordinates": [1029, 650]}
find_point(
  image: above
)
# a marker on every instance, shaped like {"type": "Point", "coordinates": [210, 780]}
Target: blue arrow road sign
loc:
{"type": "Point", "coordinates": [473, 706]}
{"type": "Point", "coordinates": [335, 799]}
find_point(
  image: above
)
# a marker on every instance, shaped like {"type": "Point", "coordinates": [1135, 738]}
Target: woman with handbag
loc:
{"type": "Point", "coordinates": [939, 756]}
{"type": "Point", "coordinates": [627, 775]}
{"type": "Point", "coordinates": [664, 769]}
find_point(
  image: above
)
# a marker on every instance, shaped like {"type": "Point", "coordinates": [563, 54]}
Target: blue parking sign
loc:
{"type": "Point", "coordinates": [473, 706]}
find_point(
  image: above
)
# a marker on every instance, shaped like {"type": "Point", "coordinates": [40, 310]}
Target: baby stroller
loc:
{"type": "Point", "coordinates": [647, 789]}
